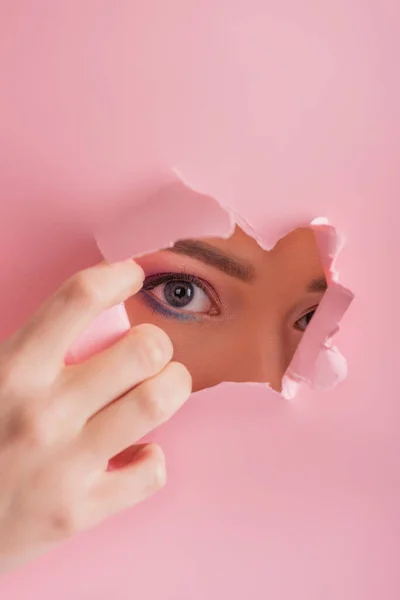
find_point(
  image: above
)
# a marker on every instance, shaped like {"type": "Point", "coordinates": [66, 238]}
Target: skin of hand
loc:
{"type": "Point", "coordinates": [61, 425]}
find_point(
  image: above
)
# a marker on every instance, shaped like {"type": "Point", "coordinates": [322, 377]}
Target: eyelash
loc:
{"type": "Point", "coordinates": [153, 281]}
{"type": "Point", "coordinates": [310, 310]}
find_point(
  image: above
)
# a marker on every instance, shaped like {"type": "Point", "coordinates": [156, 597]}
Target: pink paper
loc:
{"type": "Point", "coordinates": [283, 112]}
{"type": "Point", "coordinates": [197, 216]}
{"type": "Point", "coordinates": [104, 331]}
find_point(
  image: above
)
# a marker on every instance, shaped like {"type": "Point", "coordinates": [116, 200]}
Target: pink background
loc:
{"type": "Point", "coordinates": [284, 111]}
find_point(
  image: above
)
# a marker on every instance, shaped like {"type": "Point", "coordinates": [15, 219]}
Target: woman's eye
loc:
{"type": "Point", "coordinates": [183, 295]}
{"type": "Point", "coordinates": [304, 321]}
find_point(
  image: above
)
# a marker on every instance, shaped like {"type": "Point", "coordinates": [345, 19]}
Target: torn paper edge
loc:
{"type": "Point", "coordinates": [316, 361]}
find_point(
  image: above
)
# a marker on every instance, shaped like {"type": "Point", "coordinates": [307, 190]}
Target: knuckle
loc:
{"type": "Point", "coordinates": [14, 373]}
{"type": "Point", "coordinates": [152, 404]}
{"type": "Point", "coordinates": [159, 397]}
{"type": "Point", "coordinates": [21, 375]}
{"type": "Point", "coordinates": [82, 288]}
{"type": "Point", "coordinates": [181, 377]}
{"type": "Point", "coordinates": [149, 355]}
{"type": "Point", "coordinates": [65, 522]}
{"type": "Point", "coordinates": [160, 475]}
{"type": "Point", "coordinates": [23, 383]}
{"type": "Point", "coordinates": [152, 347]}
{"type": "Point", "coordinates": [28, 426]}
{"type": "Point", "coordinates": [10, 378]}
{"type": "Point", "coordinates": [158, 468]}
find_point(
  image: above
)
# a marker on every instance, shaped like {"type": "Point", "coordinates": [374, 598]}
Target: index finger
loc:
{"type": "Point", "coordinates": [64, 316]}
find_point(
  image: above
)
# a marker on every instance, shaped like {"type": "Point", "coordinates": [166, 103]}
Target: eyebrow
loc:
{"type": "Point", "coordinates": [209, 255]}
{"type": "Point", "coordinates": [228, 264]}
{"type": "Point", "coordinates": [319, 284]}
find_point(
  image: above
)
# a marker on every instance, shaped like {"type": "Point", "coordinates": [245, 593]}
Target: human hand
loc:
{"type": "Point", "coordinates": [60, 425]}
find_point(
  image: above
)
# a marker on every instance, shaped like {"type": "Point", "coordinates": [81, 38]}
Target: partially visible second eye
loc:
{"type": "Point", "coordinates": [304, 321]}
{"type": "Point", "coordinates": [181, 293]}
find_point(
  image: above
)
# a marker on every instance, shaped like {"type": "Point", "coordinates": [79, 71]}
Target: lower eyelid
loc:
{"type": "Point", "coordinates": [153, 281]}
{"type": "Point", "coordinates": [162, 309]}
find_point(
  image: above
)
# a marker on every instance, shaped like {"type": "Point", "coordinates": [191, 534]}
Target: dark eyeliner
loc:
{"type": "Point", "coordinates": [153, 281]}
{"type": "Point", "coordinates": [158, 307]}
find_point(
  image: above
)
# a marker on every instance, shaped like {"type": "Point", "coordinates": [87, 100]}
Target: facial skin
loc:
{"type": "Point", "coordinates": [233, 311]}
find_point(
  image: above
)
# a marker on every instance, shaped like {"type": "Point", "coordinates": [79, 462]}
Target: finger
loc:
{"type": "Point", "coordinates": [122, 488]}
{"type": "Point", "coordinates": [141, 410]}
{"type": "Point", "coordinates": [142, 353]}
{"type": "Point", "coordinates": [64, 316]}
{"type": "Point", "coordinates": [124, 458]}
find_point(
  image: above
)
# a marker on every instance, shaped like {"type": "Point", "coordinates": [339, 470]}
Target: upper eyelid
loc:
{"type": "Point", "coordinates": [159, 278]}
{"type": "Point", "coordinates": [172, 275]}
{"type": "Point", "coordinates": [303, 306]}
{"type": "Point", "coordinates": [305, 312]}
{"type": "Point", "coordinates": [293, 320]}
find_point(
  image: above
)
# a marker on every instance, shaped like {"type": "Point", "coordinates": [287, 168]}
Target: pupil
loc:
{"type": "Point", "coordinates": [178, 293]}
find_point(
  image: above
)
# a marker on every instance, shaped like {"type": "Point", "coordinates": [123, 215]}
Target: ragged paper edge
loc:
{"type": "Point", "coordinates": [316, 361]}
{"type": "Point", "coordinates": [195, 215]}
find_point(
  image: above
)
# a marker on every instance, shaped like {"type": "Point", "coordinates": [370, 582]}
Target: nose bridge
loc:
{"type": "Point", "coordinates": [262, 355]}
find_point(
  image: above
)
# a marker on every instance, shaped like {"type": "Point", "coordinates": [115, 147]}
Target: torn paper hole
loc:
{"type": "Point", "coordinates": [234, 311]}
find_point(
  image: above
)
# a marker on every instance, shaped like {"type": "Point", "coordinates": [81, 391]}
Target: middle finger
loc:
{"type": "Point", "coordinates": [141, 353]}
{"type": "Point", "coordinates": [141, 410]}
